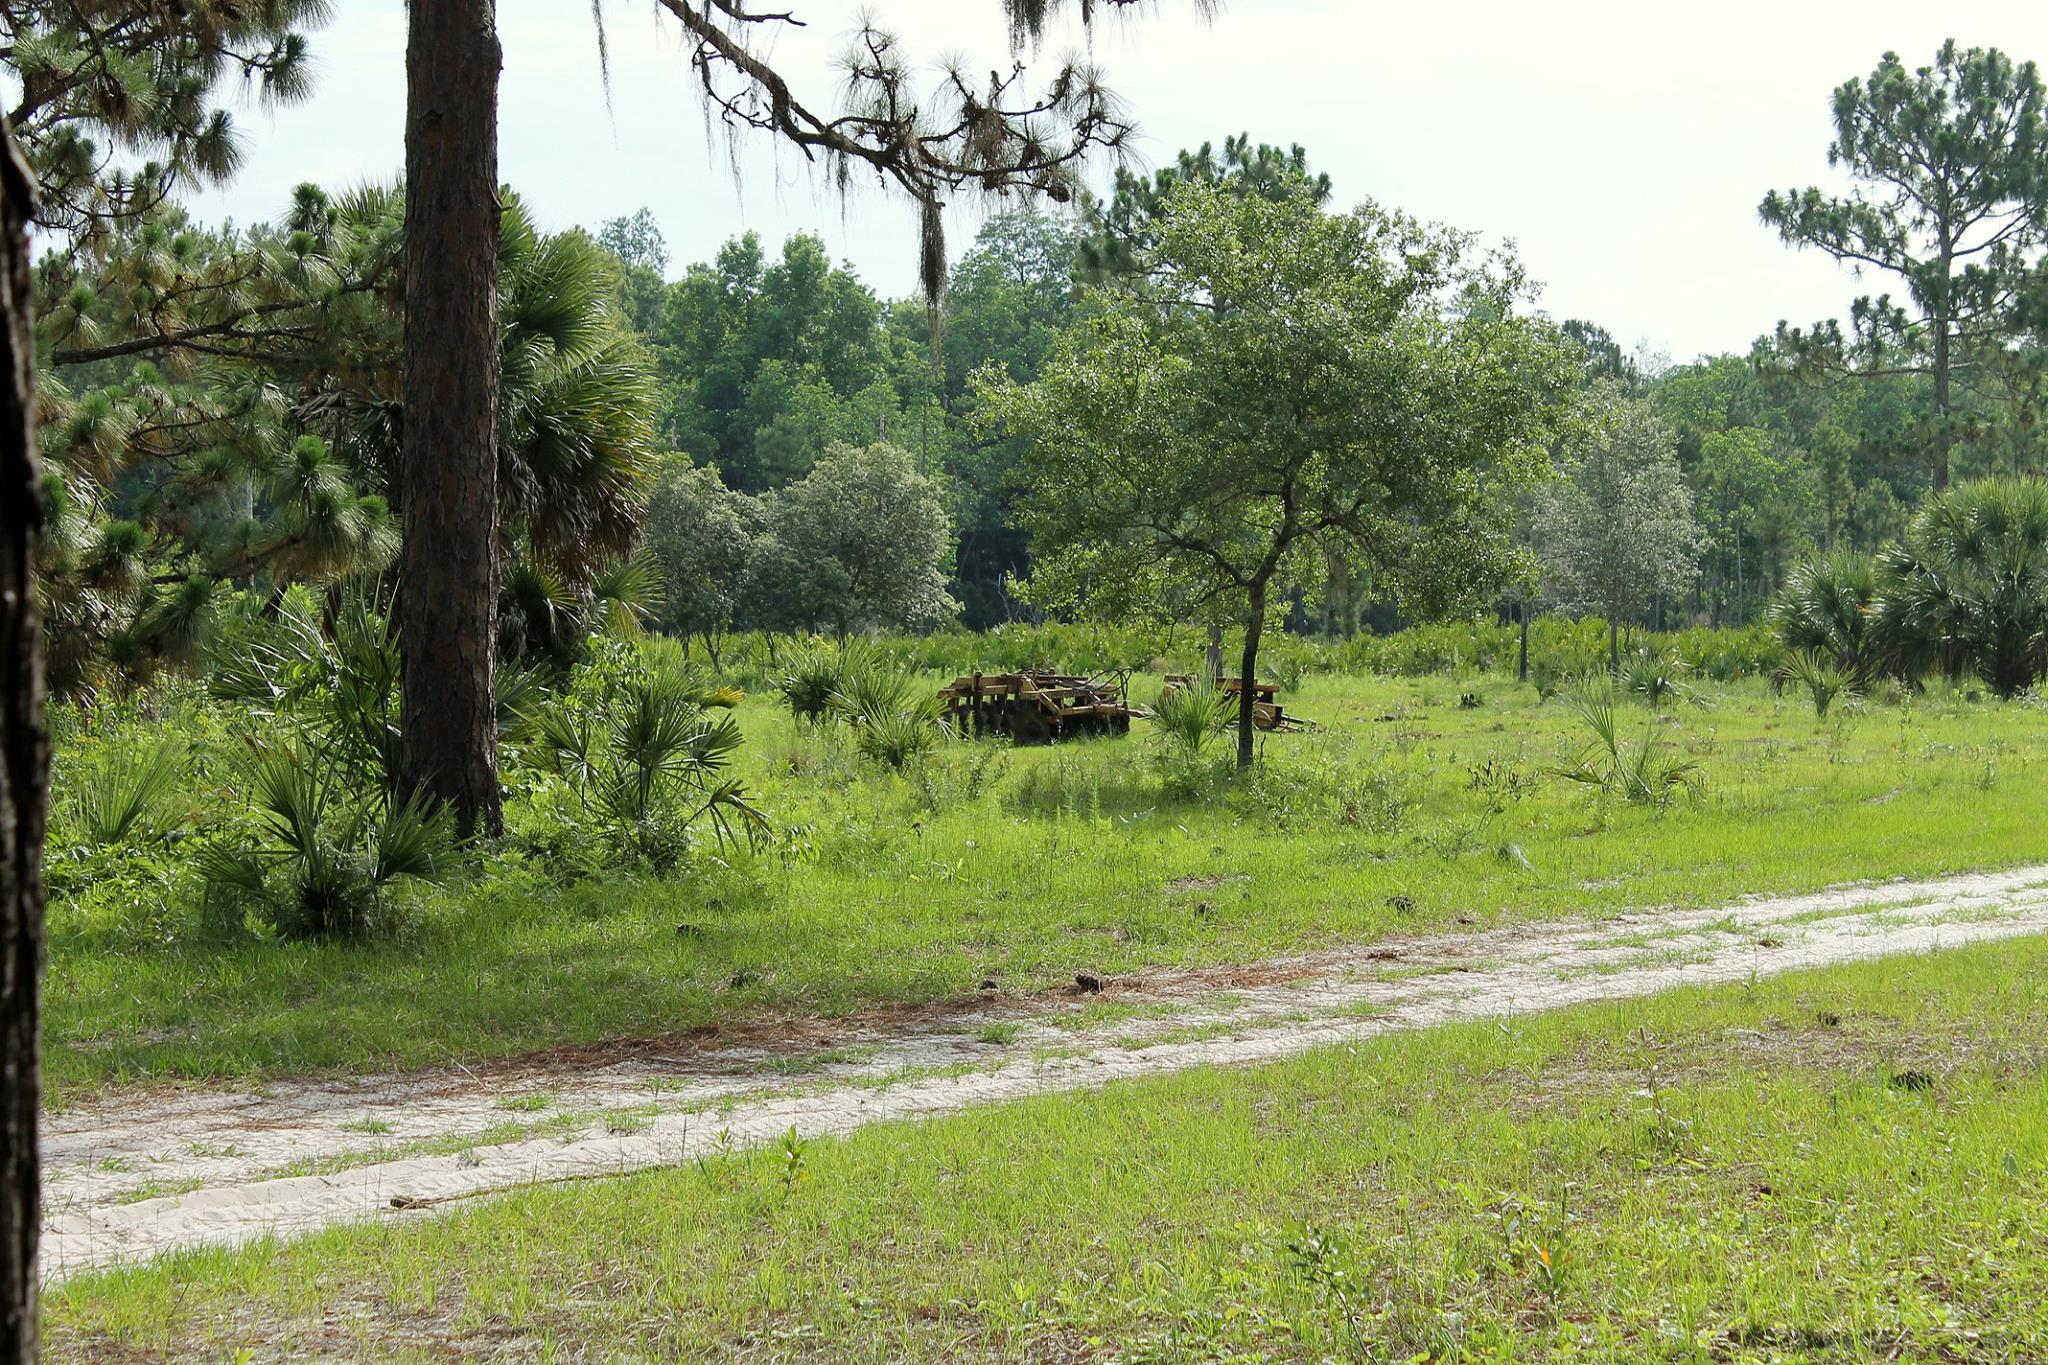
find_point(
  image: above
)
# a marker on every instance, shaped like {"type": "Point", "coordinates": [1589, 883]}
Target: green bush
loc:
{"type": "Point", "coordinates": [323, 857]}
{"type": "Point", "coordinates": [1963, 593]}
{"type": "Point", "coordinates": [895, 719]}
{"type": "Point", "coordinates": [644, 745]}
{"type": "Point", "coordinates": [1647, 771]}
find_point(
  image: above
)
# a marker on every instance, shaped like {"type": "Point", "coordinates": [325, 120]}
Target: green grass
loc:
{"type": "Point", "coordinates": [906, 888]}
{"type": "Point", "coordinates": [1838, 1166]}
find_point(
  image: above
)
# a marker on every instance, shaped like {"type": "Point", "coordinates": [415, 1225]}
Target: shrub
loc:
{"type": "Point", "coordinates": [639, 746]}
{"type": "Point", "coordinates": [1820, 676]}
{"type": "Point", "coordinates": [1647, 772]}
{"type": "Point", "coordinates": [1655, 678]}
{"type": "Point", "coordinates": [1188, 718]}
{"type": "Point", "coordinates": [1966, 589]}
{"type": "Point", "coordinates": [323, 856]}
{"type": "Point", "coordinates": [1964, 593]}
{"type": "Point", "coordinates": [121, 792]}
{"type": "Point", "coordinates": [334, 683]}
{"type": "Point", "coordinates": [894, 722]}
{"type": "Point", "coordinates": [809, 681]}
{"type": "Point", "coordinates": [1824, 608]}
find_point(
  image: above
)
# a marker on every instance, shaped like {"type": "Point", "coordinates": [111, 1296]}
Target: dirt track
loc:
{"type": "Point", "coordinates": [129, 1176]}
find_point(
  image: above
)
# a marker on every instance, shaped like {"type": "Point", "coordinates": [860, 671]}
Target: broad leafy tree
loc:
{"type": "Point", "coordinates": [1618, 528]}
{"type": "Point", "coordinates": [1009, 298]}
{"type": "Point", "coordinates": [860, 542]}
{"type": "Point", "coordinates": [765, 363]}
{"type": "Point", "coordinates": [701, 532]}
{"type": "Point", "coordinates": [1297, 383]}
{"type": "Point", "coordinates": [1949, 198]}
{"type": "Point", "coordinates": [642, 253]}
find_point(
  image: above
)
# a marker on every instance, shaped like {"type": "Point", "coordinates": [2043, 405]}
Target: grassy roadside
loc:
{"type": "Point", "coordinates": [1408, 811]}
{"type": "Point", "coordinates": [1838, 1166]}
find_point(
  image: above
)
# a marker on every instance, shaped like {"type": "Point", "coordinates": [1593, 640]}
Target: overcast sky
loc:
{"type": "Point", "coordinates": [1622, 146]}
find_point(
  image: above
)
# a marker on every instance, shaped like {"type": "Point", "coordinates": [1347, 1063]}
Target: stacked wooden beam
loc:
{"type": "Point", "coordinates": [1037, 706]}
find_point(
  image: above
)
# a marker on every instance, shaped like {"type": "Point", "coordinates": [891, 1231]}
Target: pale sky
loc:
{"type": "Point", "coordinates": [1622, 146]}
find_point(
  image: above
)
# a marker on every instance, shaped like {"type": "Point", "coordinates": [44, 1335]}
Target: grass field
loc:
{"type": "Point", "coordinates": [1417, 805]}
{"type": "Point", "coordinates": [1839, 1166]}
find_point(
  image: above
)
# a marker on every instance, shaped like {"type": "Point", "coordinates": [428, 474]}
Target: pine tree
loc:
{"type": "Point", "coordinates": [24, 777]}
{"type": "Point", "coordinates": [104, 84]}
{"type": "Point", "coordinates": [1950, 195]}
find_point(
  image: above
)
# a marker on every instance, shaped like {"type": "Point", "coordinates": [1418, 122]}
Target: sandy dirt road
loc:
{"type": "Point", "coordinates": [133, 1174]}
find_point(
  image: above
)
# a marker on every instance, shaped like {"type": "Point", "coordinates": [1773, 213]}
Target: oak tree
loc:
{"type": "Point", "coordinates": [1294, 383]}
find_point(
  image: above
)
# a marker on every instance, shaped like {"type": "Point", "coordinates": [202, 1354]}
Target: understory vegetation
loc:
{"type": "Point", "coordinates": [1838, 1166]}
{"type": "Point", "coordinates": [805, 837]}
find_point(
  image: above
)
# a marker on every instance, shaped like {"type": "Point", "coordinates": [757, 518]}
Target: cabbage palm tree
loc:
{"type": "Point", "coordinates": [1966, 589]}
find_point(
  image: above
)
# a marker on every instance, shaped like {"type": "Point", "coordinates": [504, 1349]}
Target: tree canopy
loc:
{"type": "Point", "coordinates": [1301, 382]}
{"type": "Point", "coordinates": [1949, 195]}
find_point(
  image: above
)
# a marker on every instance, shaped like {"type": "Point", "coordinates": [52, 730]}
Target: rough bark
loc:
{"type": "Point", "coordinates": [448, 567]}
{"type": "Point", "coordinates": [24, 774]}
{"type": "Point", "coordinates": [1944, 434]}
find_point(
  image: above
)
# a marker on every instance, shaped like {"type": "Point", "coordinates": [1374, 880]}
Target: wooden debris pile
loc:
{"type": "Point", "coordinates": [1038, 707]}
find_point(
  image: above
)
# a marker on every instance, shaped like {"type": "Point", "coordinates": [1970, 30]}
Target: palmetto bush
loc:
{"type": "Point", "coordinates": [897, 739]}
{"type": "Point", "coordinates": [1188, 718]}
{"type": "Point", "coordinates": [808, 682]}
{"type": "Point", "coordinates": [331, 678]}
{"type": "Point", "coordinates": [118, 795]}
{"type": "Point", "coordinates": [646, 749]}
{"type": "Point", "coordinates": [323, 854]}
{"type": "Point", "coordinates": [1824, 608]}
{"type": "Point", "coordinates": [1656, 678]}
{"type": "Point", "coordinates": [1966, 589]}
{"type": "Point", "coordinates": [895, 719]}
{"type": "Point", "coordinates": [1646, 770]}
{"type": "Point", "coordinates": [1823, 679]}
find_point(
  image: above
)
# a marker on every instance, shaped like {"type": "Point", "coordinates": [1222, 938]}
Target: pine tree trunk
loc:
{"type": "Point", "coordinates": [1522, 652]}
{"type": "Point", "coordinates": [1943, 436]}
{"type": "Point", "coordinates": [24, 775]}
{"type": "Point", "coordinates": [448, 568]}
